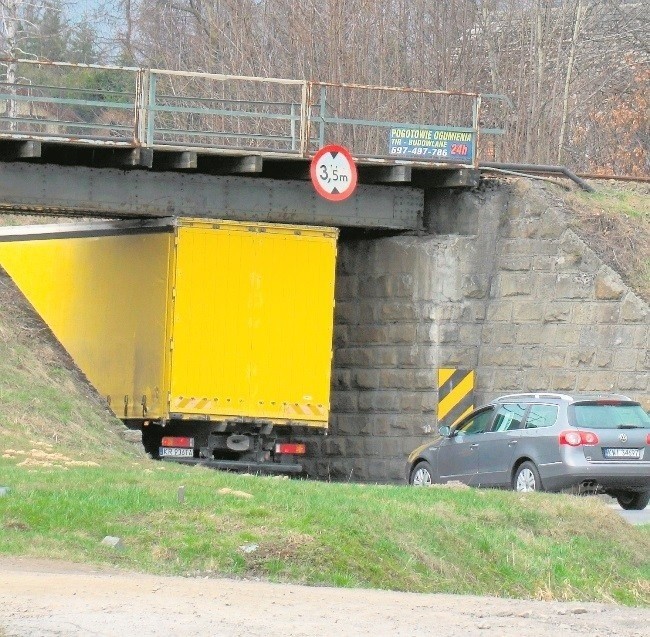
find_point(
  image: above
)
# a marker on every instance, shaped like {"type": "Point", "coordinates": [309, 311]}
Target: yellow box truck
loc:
{"type": "Point", "coordinates": [213, 337]}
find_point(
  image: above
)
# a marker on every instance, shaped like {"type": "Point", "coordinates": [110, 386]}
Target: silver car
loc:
{"type": "Point", "coordinates": [545, 442]}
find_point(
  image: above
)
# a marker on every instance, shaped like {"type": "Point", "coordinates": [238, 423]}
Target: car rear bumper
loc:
{"type": "Point", "coordinates": [607, 475]}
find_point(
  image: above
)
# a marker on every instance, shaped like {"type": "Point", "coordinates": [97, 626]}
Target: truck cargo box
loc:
{"type": "Point", "coordinates": [204, 320]}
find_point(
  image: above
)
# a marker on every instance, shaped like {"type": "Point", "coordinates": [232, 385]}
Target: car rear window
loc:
{"type": "Point", "coordinates": [541, 416]}
{"type": "Point", "coordinates": [604, 415]}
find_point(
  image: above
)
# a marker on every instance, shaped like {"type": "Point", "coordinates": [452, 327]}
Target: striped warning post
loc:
{"type": "Point", "coordinates": [455, 395]}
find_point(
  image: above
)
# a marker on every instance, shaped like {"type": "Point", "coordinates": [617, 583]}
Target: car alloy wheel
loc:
{"type": "Point", "coordinates": [527, 478]}
{"type": "Point", "coordinates": [421, 476]}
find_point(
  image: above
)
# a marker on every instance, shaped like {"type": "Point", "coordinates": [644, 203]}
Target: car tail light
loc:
{"type": "Point", "coordinates": [647, 439]}
{"type": "Point", "coordinates": [177, 441]}
{"type": "Point", "coordinates": [578, 438]}
{"type": "Point", "coordinates": [296, 449]}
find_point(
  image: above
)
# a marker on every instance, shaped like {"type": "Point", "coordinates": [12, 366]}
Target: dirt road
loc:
{"type": "Point", "coordinates": [43, 599]}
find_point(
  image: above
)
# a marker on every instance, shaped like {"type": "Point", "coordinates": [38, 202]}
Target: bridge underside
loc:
{"type": "Point", "coordinates": [84, 180]}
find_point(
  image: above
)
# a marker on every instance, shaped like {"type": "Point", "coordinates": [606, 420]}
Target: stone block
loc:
{"type": "Point", "coordinates": [520, 229]}
{"type": "Point", "coordinates": [606, 313]}
{"type": "Point", "coordinates": [496, 356]}
{"type": "Point", "coordinates": [446, 333]}
{"type": "Point", "coordinates": [347, 287]}
{"type": "Point", "coordinates": [557, 311]}
{"type": "Point", "coordinates": [531, 334]}
{"type": "Point", "coordinates": [401, 333]}
{"type": "Point", "coordinates": [397, 311]}
{"type": "Point", "coordinates": [499, 310]}
{"type": "Point", "coordinates": [113, 542]}
{"type": "Point", "coordinates": [608, 287]}
{"type": "Point", "coordinates": [344, 401]}
{"type": "Point", "coordinates": [596, 336]}
{"type": "Point", "coordinates": [528, 356]}
{"type": "Point", "coordinates": [425, 379]}
{"type": "Point", "coordinates": [624, 358]}
{"type": "Point", "coordinates": [396, 378]}
{"type": "Point", "coordinates": [461, 357]}
{"type": "Point", "coordinates": [591, 380]}
{"type": "Point", "coordinates": [550, 226]}
{"type": "Point", "coordinates": [566, 334]}
{"type": "Point", "coordinates": [133, 436]}
{"type": "Point", "coordinates": [633, 381]}
{"type": "Point", "coordinates": [573, 286]}
{"type": "Point", "coordinates": [475, 286]}
{"type": "Point", "coordinates": [405, 356]}
{"type": "Point", "coordinates": [633, 309]}
{"type": "Point", "coordinates": [411, 402]}
{"type": "Point", "coordinates": [516, 283]}
{"type": "Point", "coordinates": [581, 357]}
{"type": "Point", "coordinates": [342, 379]}
{"type": "Point", "coordinates": [366, 378]}
{"type": "Point", "coordinates": [527, 311]}
{"type": "Point", "coordinates": [515, 263]}
{"type": "Point", "coordinates": [372, 447]}
{"type": "Point", "coordinates": [500, 334]}
{"type": "Point", "coordinates": [538, 380]}
{"type": "Point", "coordinates": [470, 334]}
{"type": "Point", "coordinates": [347, 313]}
{"type": "Point", "coordinates": [564, 381]}
{"type": "Point", "coordinates": [378, 401]}
{"type": "Point", "coordinates": [349, 424]}
{"type": "Point", "coordinates": [341, 336]}
{"type": "Point", "coordinates": [603, 358]}
{"type": "Point", "coordinates": [506, 380]}
{"type": "Point", "coordinates": [4, 491]}
{"type": "Point", "coordinates": [544, 263]}
{"type": "Point", "coordinates": [553, 357]}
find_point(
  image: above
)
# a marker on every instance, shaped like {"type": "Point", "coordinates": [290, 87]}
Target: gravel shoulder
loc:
{"type": "Point", "coordinates": [42, 598]}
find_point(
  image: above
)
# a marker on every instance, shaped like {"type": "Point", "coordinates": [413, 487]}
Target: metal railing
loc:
{"type": "Point", "coordinates": [213, 113]}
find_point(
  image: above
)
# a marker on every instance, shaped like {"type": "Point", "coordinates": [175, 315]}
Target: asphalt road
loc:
{"type": "Point", "coordinates": [633, 517]}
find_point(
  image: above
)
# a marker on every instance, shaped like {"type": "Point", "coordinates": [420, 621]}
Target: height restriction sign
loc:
{"type": "Point", "coordinates": [333, 173]}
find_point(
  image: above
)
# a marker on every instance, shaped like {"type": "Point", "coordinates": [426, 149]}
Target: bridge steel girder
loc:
{"type": "Point", "coordinates": [114, 193]}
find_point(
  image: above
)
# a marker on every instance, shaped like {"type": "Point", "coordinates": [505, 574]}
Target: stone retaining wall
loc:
{"type": "Point", "coordinates": [506, 288]}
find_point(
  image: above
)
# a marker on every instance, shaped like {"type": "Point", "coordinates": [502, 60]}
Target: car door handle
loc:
{"type": "Point", "coordinates": [512, 443]}
{"type": "Point", "coordinates": [474, 446]}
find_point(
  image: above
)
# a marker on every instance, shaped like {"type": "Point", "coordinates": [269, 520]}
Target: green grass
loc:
{"type": "Point", "coordinates": [428, 540]}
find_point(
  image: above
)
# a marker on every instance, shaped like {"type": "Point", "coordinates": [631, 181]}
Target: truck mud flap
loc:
{"type": "Point", "coordinates": [236, 465]}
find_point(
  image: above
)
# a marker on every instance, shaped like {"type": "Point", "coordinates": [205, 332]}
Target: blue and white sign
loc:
{"type": "Point", "coordinates": [430, 143]}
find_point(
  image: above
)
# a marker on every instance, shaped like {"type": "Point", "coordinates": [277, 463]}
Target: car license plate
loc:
{"type": "Point", "coordinates": [175, 452]}
{"type": "Point", "coordinates": [622, 453]}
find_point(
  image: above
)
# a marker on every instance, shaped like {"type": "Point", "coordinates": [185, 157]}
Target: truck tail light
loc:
{"type": "Point", "coordinates": [578, 438]}
{"type": "Point", "coordinates": [177, 441]}
{"type": "Point", "coordinates": [296, 449]}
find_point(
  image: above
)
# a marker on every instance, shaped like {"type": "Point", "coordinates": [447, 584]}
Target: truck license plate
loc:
{"type": "Point", "coordinates": [622, 453]}
{"type": "Point", "coordinates": [175, 452]}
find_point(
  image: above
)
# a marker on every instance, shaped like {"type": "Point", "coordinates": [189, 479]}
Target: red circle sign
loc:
{"type": "Point", "coordinates": [333, 173]}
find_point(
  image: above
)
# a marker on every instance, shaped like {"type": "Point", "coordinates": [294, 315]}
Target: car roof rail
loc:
{"type": "Point", "coordinates": [534, 396]}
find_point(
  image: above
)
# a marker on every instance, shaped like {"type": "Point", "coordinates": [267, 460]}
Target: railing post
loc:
{"type": "Point", "coordinates": [476, 125]}
{"type": "Point", "coordinates": [293, 126]}
{"type": "Point", "coordinates": [151, 112]}
{"type": "Point", "coordinates": [321, 130]}
{"type": "Point", "coordinates": [305, 119]}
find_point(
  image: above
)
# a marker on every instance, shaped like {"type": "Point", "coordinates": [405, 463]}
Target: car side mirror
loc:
{"type": "Point", "coordinates": [445, 431]}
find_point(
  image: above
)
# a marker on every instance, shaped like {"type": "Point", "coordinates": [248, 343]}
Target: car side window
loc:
{"type": "Point", "coordinates": [478, 424]}
{"type": "Point", "coordinates": [541, 416]}
{"type": "Point", "coordinates": [509, 417]}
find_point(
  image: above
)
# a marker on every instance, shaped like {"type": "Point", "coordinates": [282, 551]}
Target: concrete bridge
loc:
{"type": "Point", "coordinates": [440, 274]}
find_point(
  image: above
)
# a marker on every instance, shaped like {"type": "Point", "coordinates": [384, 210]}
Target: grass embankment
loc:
{"type": "Point", "coordinates": [434, 540]}
{"type": "Point", "coordinates": [615, 222]}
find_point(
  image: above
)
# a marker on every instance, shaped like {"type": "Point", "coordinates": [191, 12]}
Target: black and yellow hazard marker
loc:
{"type": "Point", "coordinates": [455, 395]}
